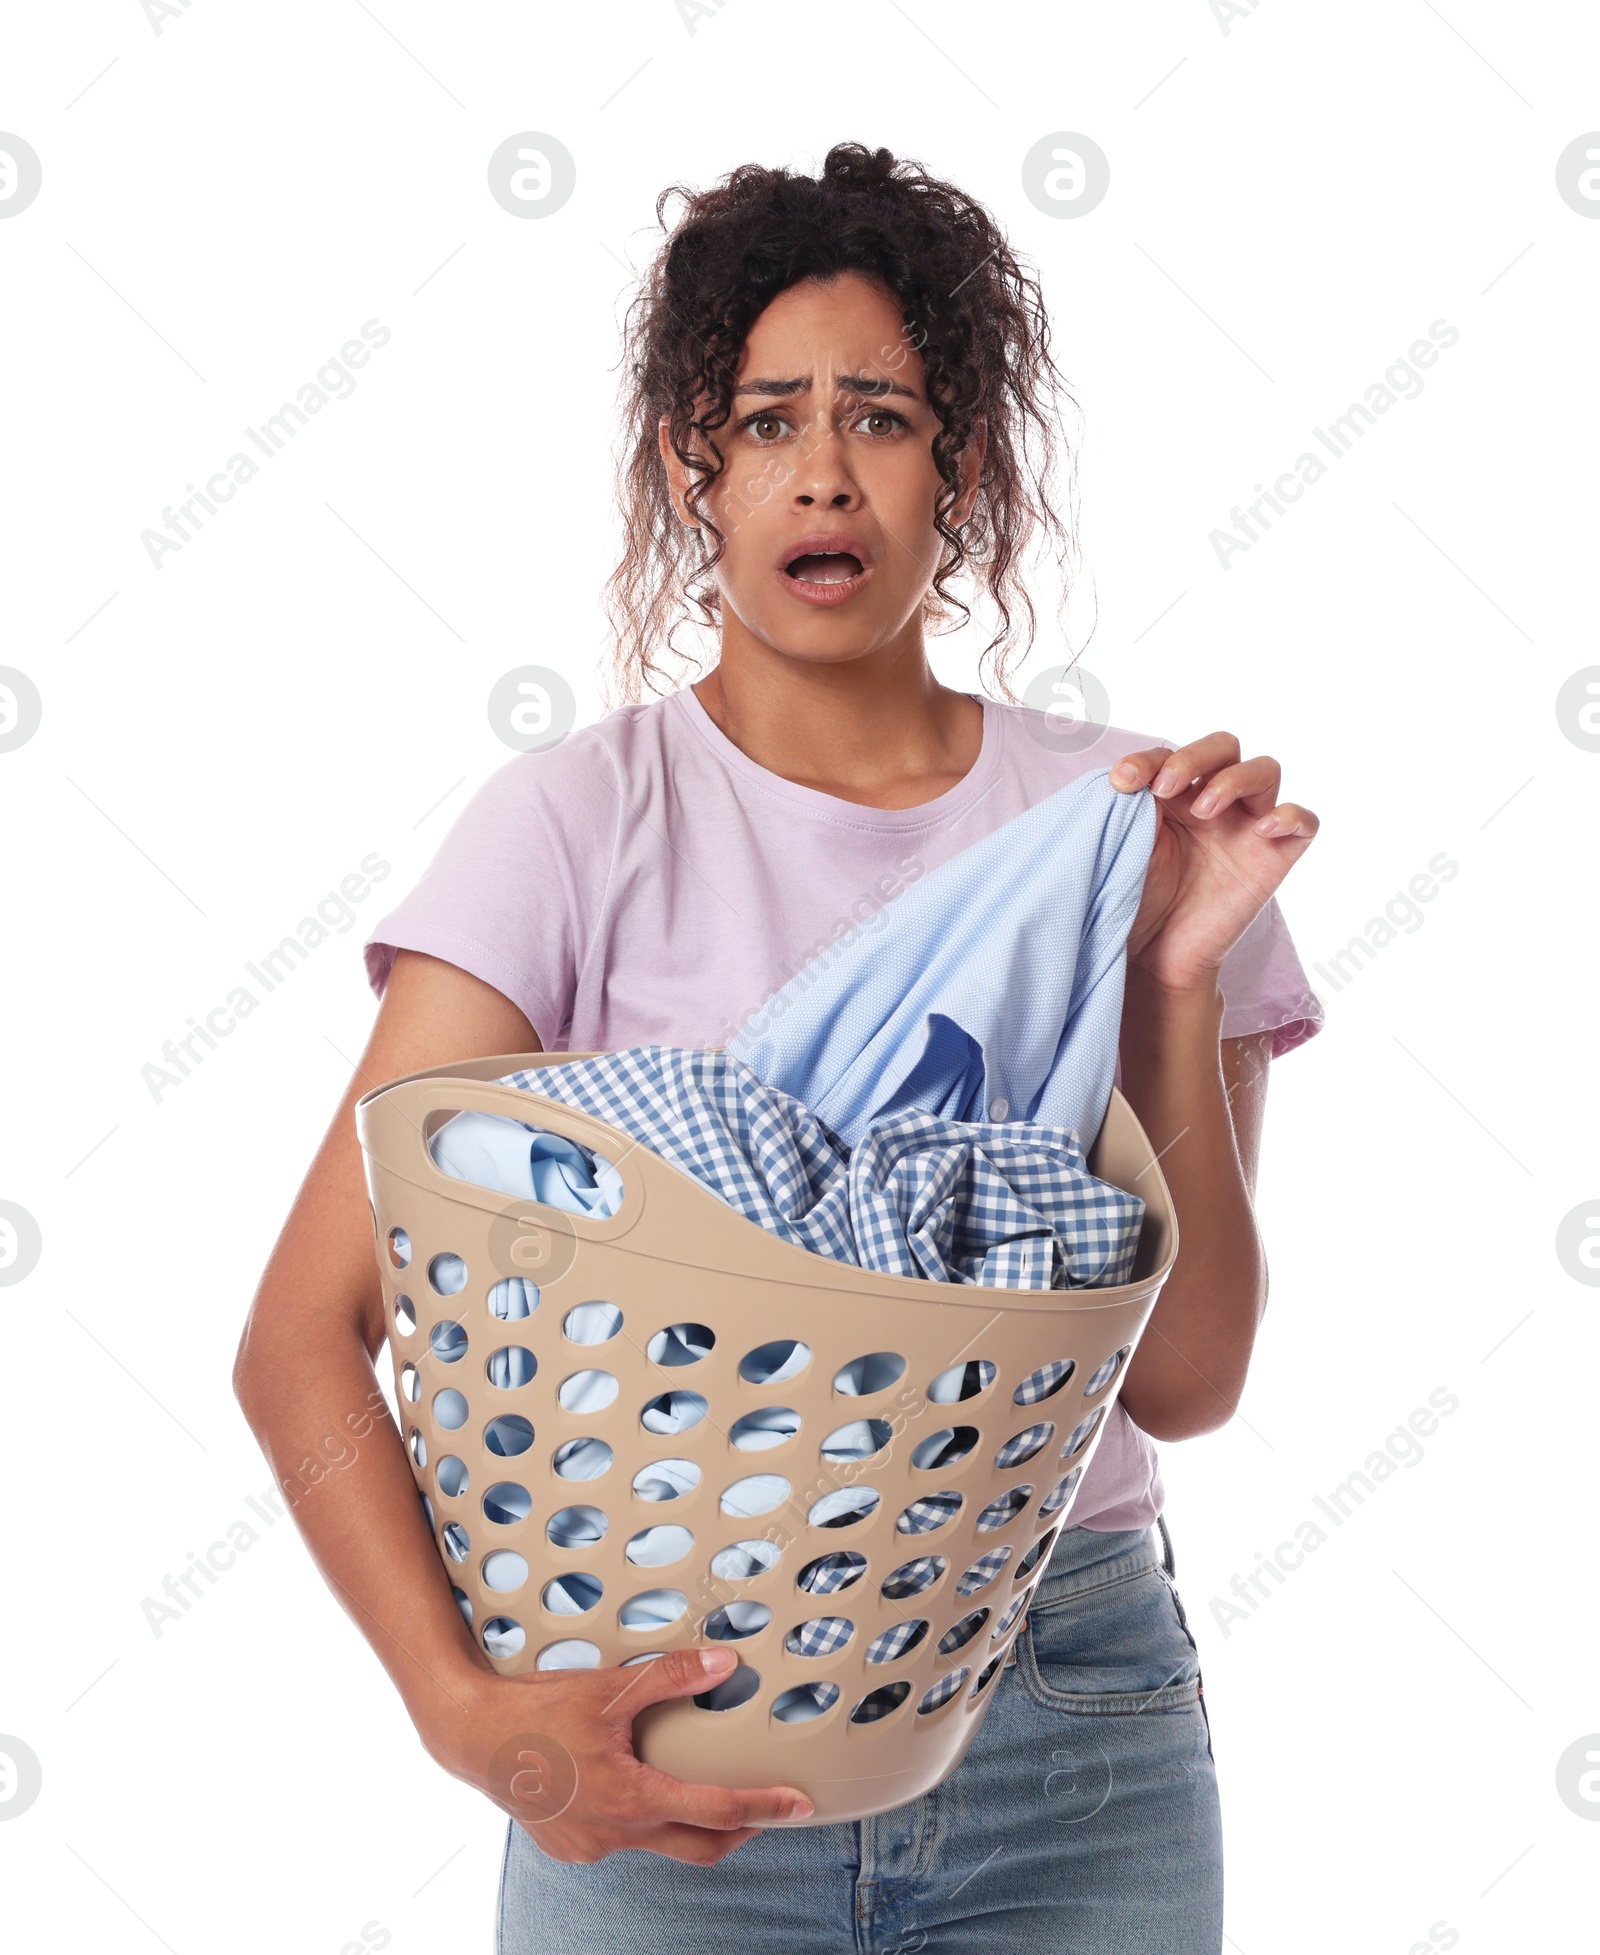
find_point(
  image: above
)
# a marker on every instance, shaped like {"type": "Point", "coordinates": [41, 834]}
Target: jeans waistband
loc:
{"type": "Point", "coordinates": [1084, 1557]}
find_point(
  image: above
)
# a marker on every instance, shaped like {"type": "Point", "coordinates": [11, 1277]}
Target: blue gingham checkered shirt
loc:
{"type": "Point", "coordinates": [1011, 1205]}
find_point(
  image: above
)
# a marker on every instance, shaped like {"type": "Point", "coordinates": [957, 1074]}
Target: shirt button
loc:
{"type": "Point", "coordinates": [998, 1109]}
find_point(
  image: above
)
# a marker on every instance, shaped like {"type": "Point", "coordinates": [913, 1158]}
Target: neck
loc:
{"type": "Point", "coordinates": [878, 730]}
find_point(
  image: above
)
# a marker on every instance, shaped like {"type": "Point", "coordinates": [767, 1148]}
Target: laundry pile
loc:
{"type": "Point", "coordinates": [914, 1099]}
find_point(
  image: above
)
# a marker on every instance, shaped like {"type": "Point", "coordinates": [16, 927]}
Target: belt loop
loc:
{"type": "Point", "coordinates": [1166, 1538]}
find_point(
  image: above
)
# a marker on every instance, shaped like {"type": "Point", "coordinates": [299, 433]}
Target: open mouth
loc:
{"type": "Point", "coordinates": [825, 567]}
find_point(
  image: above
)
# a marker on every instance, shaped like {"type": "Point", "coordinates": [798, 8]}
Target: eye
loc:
{"type": "Point", "coordinates": [751, 421]}
{"type": "Point", "coordinates": [885, 414]}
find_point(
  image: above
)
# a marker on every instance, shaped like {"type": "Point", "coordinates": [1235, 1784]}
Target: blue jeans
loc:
{"type": "Point", "coordinates": [1084, 1816]}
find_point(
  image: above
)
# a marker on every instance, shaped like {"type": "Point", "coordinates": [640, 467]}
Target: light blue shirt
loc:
{"type": "Point", "coordinates": [991, 990]}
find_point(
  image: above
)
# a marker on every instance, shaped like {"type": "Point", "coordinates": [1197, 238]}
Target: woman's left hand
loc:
{"type": "Point", "coordinates": [1224, 844]}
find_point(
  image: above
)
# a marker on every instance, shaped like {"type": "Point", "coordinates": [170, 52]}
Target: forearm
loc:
{"type": "Point", "coordinates": [1189, 1370]}
{"type": "Point", "coordinates": [313, 1402]}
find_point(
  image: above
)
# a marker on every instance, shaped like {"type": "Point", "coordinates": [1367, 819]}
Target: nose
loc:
{"type": "Point", "coordinates": [822, 468]}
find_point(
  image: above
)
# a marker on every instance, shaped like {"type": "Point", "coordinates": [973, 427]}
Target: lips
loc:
{"type": "Point", "coordinates": [826, 567]}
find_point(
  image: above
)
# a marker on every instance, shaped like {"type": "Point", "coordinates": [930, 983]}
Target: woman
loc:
{"type": "Point", "coordinates": [830, 390]}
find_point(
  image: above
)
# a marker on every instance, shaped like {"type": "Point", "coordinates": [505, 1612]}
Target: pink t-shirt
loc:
{"type": "Point", "coordinates": [647, 883]}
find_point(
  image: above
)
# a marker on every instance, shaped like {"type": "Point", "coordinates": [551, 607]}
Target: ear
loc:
{"type": "Point", "coordinates": [677, 474]}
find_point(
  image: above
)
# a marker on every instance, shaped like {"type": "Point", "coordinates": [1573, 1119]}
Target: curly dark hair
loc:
{"type": "Point", "coordinates": [969, 308]}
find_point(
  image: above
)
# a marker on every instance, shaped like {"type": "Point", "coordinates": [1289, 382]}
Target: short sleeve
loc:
{"type": "Point", "coordinates": [514, 890]}
{"type": "Point", "coordinates": [1264, 988]}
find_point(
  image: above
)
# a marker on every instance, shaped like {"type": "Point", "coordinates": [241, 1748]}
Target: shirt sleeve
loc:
{"type": "Point", "coordinates": [515, 891]}
{"type": "Point", "coordinates": [1264, 988]}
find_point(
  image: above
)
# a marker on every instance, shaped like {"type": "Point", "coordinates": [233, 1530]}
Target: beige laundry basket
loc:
{"type": "Point", "coordinates": [930, 1383]}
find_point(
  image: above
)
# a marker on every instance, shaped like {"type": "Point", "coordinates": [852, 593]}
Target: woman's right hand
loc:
{"type": "Point", "coordinates": [555, 1751]}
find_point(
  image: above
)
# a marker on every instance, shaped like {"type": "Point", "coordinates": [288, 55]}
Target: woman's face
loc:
{"type": "Point", "coordinates": [827, 495]}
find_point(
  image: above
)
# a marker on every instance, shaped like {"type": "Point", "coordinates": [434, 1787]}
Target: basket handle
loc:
{"type": "Point", "coordinates": [391, 1122]}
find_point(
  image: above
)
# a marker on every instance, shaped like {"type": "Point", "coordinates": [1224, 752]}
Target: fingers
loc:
{"type": "Point", "coordinates": [1253, 784]}
{"type": "Point", "coordinates": [680, 1673]}
{"type": "Point", "coordinates": [722, 1808]}
{"type": "Point", "coordinates": [1169, 770]}
{"type": "Point", "coordinates": [691, 1844]}
{"type": "Point", "coordinates": [1288, 819]}
{"type": "Point", "coordinates": [1224, 781]}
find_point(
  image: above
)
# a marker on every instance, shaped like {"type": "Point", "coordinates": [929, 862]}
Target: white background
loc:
{"type": "Point", "coordinates": [1293, 201]}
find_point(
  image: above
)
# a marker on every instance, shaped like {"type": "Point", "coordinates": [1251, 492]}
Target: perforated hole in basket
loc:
{"type": "Point", "coordinates": [875, 1372]}
{"type": "Point", "coordinates": [819, 1636]}
{"type": "Point", "coordinates": [1080, 1435]}
{"type": "Point", "coordinates": [653, 1608]}
{"type": "Point", "coordinates": [759, 1432]}
{"type": "Point", "coordinates": [1060, 1493]}
{"type": "Point", "coordinates": [944, 1448]}
{"type": "Point", "coordinates": [772, 1363]}
{"type": "Point", "coordinates": [733, 1691]}
{"type": "Point", "coordinates": [571, 1653]}
{"type": "Point", "coordinates": [1034, 1556]}
{"type": "Point", "coordinates": [1044, 1383]}
{"type": "Point", "coordinates": [983, 1571]}
{"type": "Point", "coordinates": [410, 1383]}
{"type": "Point", "coordinates": [913, 1577]}
{"type": "Point", "coordinates": [427, 1510]}
{"type": "Point", "coordinates": [418, 1445]}
{"type": "Point", "coordinates": [572, 1594]}
{"type": "Point", "coordinates": [962, 1381]}
{"type": "Point", "coordinates": [962, 1633]}
{"type": "Point", "coordinates": [508, 1435]}
{"type": "Point", "coordinates": [577, 1527]}
{"type": "Point", "coordinates": [666, 1479]}
{"type": "Point", "coordinates": [831, 1574]}
{"type": "Point", "coordinates": [513, 1298]}
{"type": "Point", "coordinates": [1106, 1372]}
{"type": "Point", "coordinates": [1004, 1510]}
{"type": "Point", "coordinates": [582, 1459]}
{"type": "Point", "coordinates": [457, 1543]}
{"type": "Point", "coordinates": [744, 1560]}
{"type": "Point", "coordinates": [587, 1391]}
{"type": "Point", "coordinates": [504, 1571]}
{"type": "Point", "coordinates": [735, 1620]}
{"type": "Point", "coordinates": [929, 1512]}
{"type": "Point", "coordinates": [405, 1316]}
{"type": "Point", "coordinates": [399, 1247]}
{"type": "Point", "coordinates": [844, 1507]}
{"type": "Point", "coordinates": [449, 1409]}
{"type": "Point", "coordinates": [659, 1547]}
{"type": "Point", "coordinates": [984, 1675]}
{"type": "Point", "coordinates": [503, 1637]}
{"type": "Point", "coordinates": [452, 1476]}
{"type": "Point", "coordinates": [673, 1412]}
{"type": "Point", "coordinates": [592, 1323]}
{"type": "Point", "coordinates": [899, 1639]}
{"type": "Point", "coordinates": [506, 1503]}
{"type": "Point", "coordinates": [447, 1273]}
{"type": "Point", "coordinates": [1012, 1610]}
{"type": "Point", "coordinates": [1022, 1446]}
{"type": "Point", "coordinates": [680, 1344]}
{"type": "Point", "coordinates": [448, 1341]}
{"type": "Point", "coordinates": [758, 1493]}
{"type": "Point", "coordinates": [942, 1691]}
{"type": "Point", "coordinates": [860, 1439]}
{"type": "Point", "coordinates": [513, 1365]}
{"type": "Point", "coordinates": [803, 1702]}
{"type": "Point", "coordinates": [878, 1704]}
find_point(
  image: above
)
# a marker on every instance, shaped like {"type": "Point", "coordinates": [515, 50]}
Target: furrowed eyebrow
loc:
{"type": "Point", "coordinates": [849, 383]}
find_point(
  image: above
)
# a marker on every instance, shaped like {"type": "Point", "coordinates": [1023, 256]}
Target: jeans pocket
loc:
{"type": "Point", "coordinates": [1114, 1648]}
